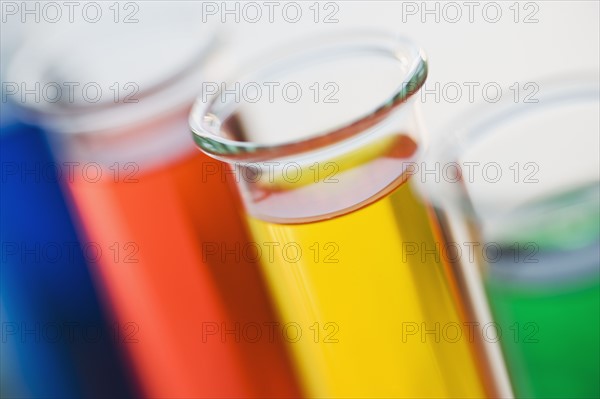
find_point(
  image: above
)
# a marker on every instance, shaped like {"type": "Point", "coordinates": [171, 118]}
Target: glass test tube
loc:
{"type": "Point", "coordinates": [137, 191]}
{"type": "Point", "coordinates": [540, 224]}
{"type": "Point", "coordinates": [46, 289]}
{"type": "Point", "coordinates": [324, 185]}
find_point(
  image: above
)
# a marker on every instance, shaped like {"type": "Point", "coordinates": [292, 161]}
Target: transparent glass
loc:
{"type": "Point", "coordinates": [324, 185]}
{"type": "Point", "coordinates": [133, 166]}
{"type": "Point", "coordinates": [537, 230]}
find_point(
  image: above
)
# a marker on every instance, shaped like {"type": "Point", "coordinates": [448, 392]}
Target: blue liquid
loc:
{"type": "Point", "coordinates": [47, 298]}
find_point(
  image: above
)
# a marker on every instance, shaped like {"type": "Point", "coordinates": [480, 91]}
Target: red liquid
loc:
{"type": "Point", "coordinates": [171, 291]}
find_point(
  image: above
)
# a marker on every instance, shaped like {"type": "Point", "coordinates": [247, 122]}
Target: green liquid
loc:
{"type": "Point", "coordinates": [549, 309]}
{"type": "Point", "coordinates": [553, 351]}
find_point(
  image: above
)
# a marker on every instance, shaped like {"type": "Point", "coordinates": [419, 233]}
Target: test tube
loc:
{"type": "Point", "coordinates": [537, 228]}
{"type": "Point", "coordinates": [321, 166]}
{"type": "Point", "coordinates": [134, 176]}
{"type": "Point", "coordinates": [47, 295]}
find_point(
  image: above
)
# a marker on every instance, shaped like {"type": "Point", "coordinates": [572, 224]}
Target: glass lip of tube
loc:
{"type": "Point", "coordinates": [581, 87]}
{"type": "Point", "coordinates": [540, 221]}
{"type": "Point", "coordinates": [172, 91]}
{"type": "Point", "coordinates": [205, 123]}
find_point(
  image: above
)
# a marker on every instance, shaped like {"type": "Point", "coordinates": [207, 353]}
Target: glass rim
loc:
{"type": "Point", "coordinates": [217, 146]}
{"type": "Point", "coordinates": [106, 115]}
{"type": "Point", "coordinates": [467, 131]}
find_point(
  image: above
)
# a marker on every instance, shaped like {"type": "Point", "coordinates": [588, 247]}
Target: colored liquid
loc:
{"type": "Point", "coordinates": [551, 341]}
{"type": "Point", "coordinates": [358, 296]}
{"type": "Point", "coordinates": [46, 289]}
{"type": "Point", "coordinates": [171, 290]}
{"type": "Point", "coordinates": [547, 303]}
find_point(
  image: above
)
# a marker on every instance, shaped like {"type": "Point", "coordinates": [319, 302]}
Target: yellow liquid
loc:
{"type": "Point", "coordinates": [366, 297]}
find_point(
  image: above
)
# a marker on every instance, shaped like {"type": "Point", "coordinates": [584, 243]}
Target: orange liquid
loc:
{"type": "Point", "coordinates": [171, 292]}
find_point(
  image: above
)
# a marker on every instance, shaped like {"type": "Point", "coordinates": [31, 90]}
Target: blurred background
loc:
{"type": "Point", "coordinates": [102, 210]}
